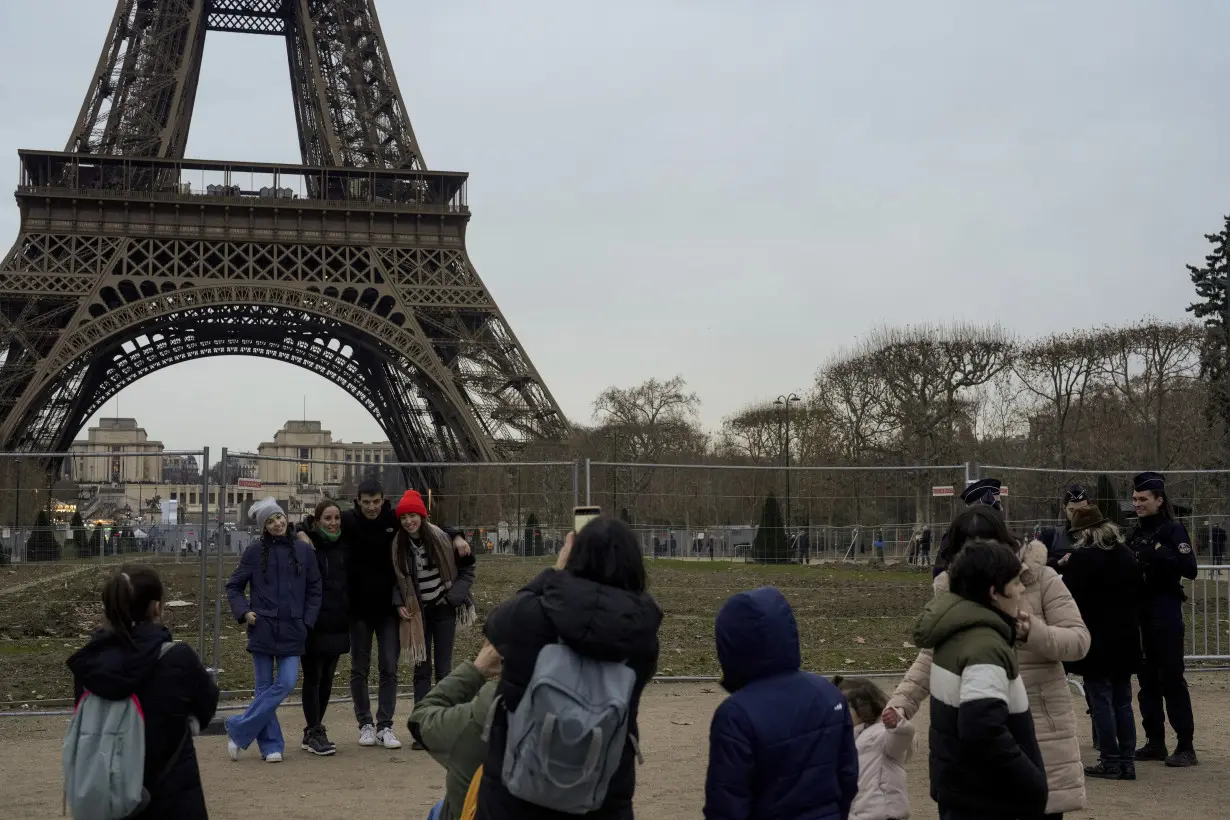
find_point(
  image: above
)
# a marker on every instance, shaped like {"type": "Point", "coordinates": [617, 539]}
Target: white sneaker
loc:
{"type": "Point", "coordinates": [387, 739]}
{"type": "Point", "coordinates": [233, 750]}
{"type": "Point", "coordinates": [273, 757]}
{"type": "Point", "coordinates": [367, 735]}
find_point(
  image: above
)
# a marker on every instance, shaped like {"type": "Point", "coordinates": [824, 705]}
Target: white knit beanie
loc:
{"type": "Point", "coordinates": [265, 509]}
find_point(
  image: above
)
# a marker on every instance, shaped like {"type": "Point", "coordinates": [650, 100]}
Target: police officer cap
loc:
{"type": "Point", "coordinates": [1074, 493]}
{"type": "Point", "coordinates": [984, 491]}
{"type": "Point", "coordinates": [1149, 481]}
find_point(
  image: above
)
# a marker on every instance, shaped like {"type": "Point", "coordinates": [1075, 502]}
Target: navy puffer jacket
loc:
{"type": "Point", "coordinates": [782, 745]}
{"type": "Point", "coordinates": [285, 595]}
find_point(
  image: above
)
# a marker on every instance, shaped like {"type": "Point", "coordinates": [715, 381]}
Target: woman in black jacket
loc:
{"type": "Point", "coordinates": [1102, 575]}
{"type": "Point", "coordinates": [330, 637]}
{"type": "Point", "coordinates": [177, 695]}
{"type": "Point", "coordinates": [595, 601]}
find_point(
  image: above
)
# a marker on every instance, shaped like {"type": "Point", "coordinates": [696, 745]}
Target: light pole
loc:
{"type": "Point", "coordinates": [784, 402]}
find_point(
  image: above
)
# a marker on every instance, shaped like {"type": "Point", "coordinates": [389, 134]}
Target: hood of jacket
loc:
{"type": "Point", "coordinates": [600, 621]}
{"type": "Point", "coordinates": [112, 669]}
{"type": "Point", "coordinates": [757, 637]}
{"type": "Point", "coordinates": [948, 614]}
{"type": "Point", "coordinates": [1033, 559]}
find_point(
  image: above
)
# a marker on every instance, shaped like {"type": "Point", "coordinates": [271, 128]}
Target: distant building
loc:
{"type": "Point", "coordinates": [122, 474]}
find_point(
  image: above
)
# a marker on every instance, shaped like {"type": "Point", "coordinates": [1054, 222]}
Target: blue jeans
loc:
{"type": "Point", "coordinates": [1111, 702]}
{"type": "Point", "coordinates": [434, 814]}
{"type": "Point", "coordinates": [260, 721]}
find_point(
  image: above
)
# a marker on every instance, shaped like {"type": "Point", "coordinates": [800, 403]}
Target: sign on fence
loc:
{"type": "Point", "coordinates": [943, 492]}
{"type": "Point", "coordinates": [249, 483]}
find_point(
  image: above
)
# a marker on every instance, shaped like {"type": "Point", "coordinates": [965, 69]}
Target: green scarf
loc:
{"type": "Point", "coordinates": [329, 536]}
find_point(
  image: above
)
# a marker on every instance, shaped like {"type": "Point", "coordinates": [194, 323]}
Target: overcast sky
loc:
{"type": "Point", "coordinates": [731, 191]}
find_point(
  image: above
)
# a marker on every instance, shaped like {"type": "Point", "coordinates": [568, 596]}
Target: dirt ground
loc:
{"type": "Point", "coordinates": [377, 784]}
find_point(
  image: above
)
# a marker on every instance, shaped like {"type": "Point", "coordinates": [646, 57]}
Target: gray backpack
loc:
{"type": "Point", "coordinates": [567, 735]}
{"type": "Point", "coordinates": [103, 758]}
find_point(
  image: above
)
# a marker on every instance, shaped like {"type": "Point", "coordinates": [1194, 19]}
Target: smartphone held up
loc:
{"type": "Point", "coordinates": [582, 516]}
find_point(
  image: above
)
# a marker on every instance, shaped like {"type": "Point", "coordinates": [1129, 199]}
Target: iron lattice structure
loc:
{"type": "Point", "coordinates": [352, 265]}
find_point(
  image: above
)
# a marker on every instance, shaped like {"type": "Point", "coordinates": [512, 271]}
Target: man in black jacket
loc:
{"type": "Point", "coordinates": [369, 530]}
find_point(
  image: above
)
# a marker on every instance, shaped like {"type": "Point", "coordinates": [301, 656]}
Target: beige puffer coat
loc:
{"type": "Point", "coordinates": [1057, 633]}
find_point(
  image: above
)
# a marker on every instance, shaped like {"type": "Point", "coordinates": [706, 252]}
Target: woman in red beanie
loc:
{"type": "Point", "coordinates": [434, 576]}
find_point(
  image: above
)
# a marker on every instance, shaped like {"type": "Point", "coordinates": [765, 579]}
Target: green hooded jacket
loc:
{"type": "Point", "coordinates": [451, 719]}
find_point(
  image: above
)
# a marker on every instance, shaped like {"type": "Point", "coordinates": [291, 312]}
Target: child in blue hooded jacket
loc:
{"type": "Point", "coordinates": [782, 744]}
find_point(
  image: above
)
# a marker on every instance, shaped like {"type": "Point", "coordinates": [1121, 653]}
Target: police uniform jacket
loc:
{"type": "Point", "coordinates": [1164, 556]}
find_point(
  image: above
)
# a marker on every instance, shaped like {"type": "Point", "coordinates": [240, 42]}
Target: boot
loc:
{"type": "Point", "coordinates": [1105, 771]}
{"type": "Point", "coordinates": [1152, 750]}
{"type": "Point", "coordinates": [1183, 758]}
{"type": "Point", "coordinates": [1127, 771]}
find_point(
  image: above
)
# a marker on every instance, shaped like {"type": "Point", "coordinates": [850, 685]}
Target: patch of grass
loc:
{"type": "Point", "coordinates": [850, 617]}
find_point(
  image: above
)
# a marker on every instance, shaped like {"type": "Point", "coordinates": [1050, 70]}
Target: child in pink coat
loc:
{"type": "Point", "coordinates": [883, 751]}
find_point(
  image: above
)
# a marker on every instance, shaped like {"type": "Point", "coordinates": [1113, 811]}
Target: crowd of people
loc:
{"type": "Point", "coordinates": [543, 723]}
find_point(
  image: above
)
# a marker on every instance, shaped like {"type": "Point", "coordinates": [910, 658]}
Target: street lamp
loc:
{"type": "Point", "coordinates": [784, 402]}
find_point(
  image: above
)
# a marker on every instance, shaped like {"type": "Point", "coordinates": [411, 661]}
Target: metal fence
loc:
{"type": "Point", "coordinates": [143, 505]}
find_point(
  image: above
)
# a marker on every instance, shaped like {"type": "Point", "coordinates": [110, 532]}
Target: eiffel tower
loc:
{"type": "Point", "coordinates": [353, 265]}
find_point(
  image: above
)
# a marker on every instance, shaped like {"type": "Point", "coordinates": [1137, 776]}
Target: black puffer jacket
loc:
{"type": "Point", "coordinates": [171, 690]}
{"type": "Point", "coordinates": [597, 621]}
{"type": "Point", "coordinates": [1105, 585]}
{"type": "Point", "coordinates": [369, 563]}
{"type": "Point", "coordinates": [331, 635]}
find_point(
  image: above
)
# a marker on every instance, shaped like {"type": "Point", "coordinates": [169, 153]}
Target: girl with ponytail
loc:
{"type": "Point", "coordinates": [282, 580]}
{"type": "Point", "coordinates": [126, 657]}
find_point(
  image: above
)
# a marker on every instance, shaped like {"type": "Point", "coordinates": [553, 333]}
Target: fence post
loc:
{"type": "Point", "coordinates": [200, 641]}
{"type": "Point", "coordinates": [218, 566]}
{"type": "Point", "coordinates": [971, 473]}
{"type": "Point", "coordinates": [576, 484]}
{"type": "Point", "coordinates": [588, 502]}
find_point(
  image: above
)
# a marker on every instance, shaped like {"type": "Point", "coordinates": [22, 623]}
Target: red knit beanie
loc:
{"type": "Point", "coordinates": [411, 502]}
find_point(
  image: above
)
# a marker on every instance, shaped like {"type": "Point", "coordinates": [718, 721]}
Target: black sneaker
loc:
{"type": "Point", "coordinates": [1105, 771]}
{"type": "Point", "coordinates": [304, 744]}
{"type": "Point", "coordinates": [1152, 751]}
{"type": "Point", "coordinates": [418, 746]}
{"type": "Point", "coordinates": [1127, 771]}
{"type": "Point", "coordinates": [1182, 759]}
{"type": "Point", "coordinates": [318, 743]}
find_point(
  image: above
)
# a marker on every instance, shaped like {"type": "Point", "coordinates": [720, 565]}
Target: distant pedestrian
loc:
{"type": "Point", "coordinates": [282, 578]}
{"type": "Point", "coordinates": [924, 548]}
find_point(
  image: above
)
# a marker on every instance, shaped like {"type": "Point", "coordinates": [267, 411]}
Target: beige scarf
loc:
{"type": "Point", "coordinates": [441, 554]}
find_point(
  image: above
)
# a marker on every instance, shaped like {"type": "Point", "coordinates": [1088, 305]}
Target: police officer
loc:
{"type": "Point", "coordinates": [1059, 539]}
{"type": "Point", "coordinates": [1164, 556]}
{"type": "Point", "coordinates": [984, 491]}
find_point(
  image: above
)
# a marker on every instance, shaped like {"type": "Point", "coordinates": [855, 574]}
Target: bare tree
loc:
{"type": "Point", "coordinates": [653, 422]}
{"type": "Point", "coordinates": [1056, 371]}
{"type": "Point", "coordinates": [1144, 364]}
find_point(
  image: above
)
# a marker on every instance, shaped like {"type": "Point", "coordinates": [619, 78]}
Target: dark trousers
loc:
{"type": "Point", "coordinates": [388, 648]}
{"type": "Point", "coordinates": [1161, 675]}
{"type": "Point", "coordinates": [439, 629]}
{"type": "Point", "coordinates": [318, 673]}
{"type": "Point", "coordinates": [1111, 699]}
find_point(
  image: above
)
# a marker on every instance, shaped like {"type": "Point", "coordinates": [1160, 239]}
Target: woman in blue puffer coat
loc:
{"type": "Point", "coordinates": [283, 602]}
